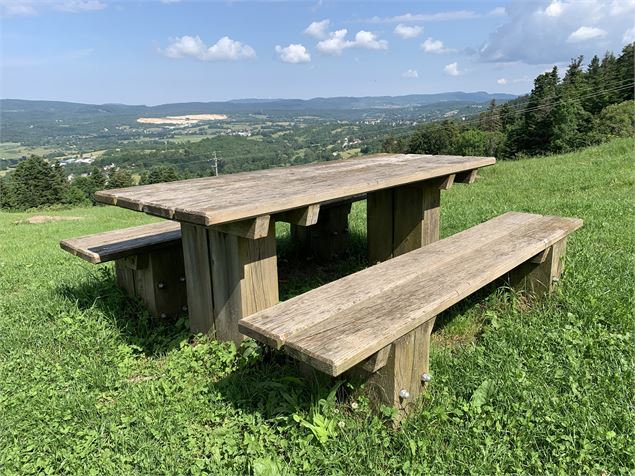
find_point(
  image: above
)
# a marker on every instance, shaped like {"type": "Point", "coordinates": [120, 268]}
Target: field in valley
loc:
{"type": "Point", "coordinates": [89, 385]}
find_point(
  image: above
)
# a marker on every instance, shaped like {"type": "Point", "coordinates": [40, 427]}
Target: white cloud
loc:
{"type": "Point", "coordinates": [223, 49]}
{"type": "Point", "coordinates": [549, 31]}
{"type": "Point", "coordinates": [423, 17]}
{"type": "Point", "coordinates": [629, 35]}
{"type": "Point", "coordinates": [406, 32]}
{"type": "Point", "coordinates": [452, 69]}
{"type": "Point", "coordinates": [585, 33]}
{"type": "Point", "coordinates": [497, 12]}
{"type": "Point", "coordinates": [410, 73]}
{"type": "Point", "coordinates": [555, 9]}
{"type": "Point", "coordinates": [434, 46]}
{"type": "Point", "coordinates": [294, 53]}
{"type": "Point", "coordinates": [318, 29]}
{"type": "Point", "coordinates": [501, 81]}
{"type": "Point", "coordinates": [336, 43]}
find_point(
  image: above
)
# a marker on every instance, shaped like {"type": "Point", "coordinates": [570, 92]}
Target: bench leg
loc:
{"type": "Point", "coordinates": [395, 375]}
{"type": "Point", "coordinates": [402, 219]}
{"type": "Point", "coordinates": [328, 238]}
{"type": "Point", "coordinates": [157, 278]}
{"type": "Point", "coordinates": [228, 277]}
{"type": "Point", "coordinates": [539, 275]}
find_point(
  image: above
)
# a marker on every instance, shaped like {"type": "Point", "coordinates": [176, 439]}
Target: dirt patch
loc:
{"type": "Point", "coordinates": [39, 219]}
{"type": "Point", "coordinates": [182, 120]}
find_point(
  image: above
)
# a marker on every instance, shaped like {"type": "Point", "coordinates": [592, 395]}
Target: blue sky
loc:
{"type": "Point", "coordinates": [153, 52]}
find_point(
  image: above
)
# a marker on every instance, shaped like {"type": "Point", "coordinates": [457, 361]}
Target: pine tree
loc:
{"type": "Point", "coordinates": [626, 73]}
{"type": "Point", "coordinates": [535, 134]}
{"type": "Point", "coordinates": [594, 87]}
{"type": "Point", "coordinates": [120, 178]}
{"type": "Point", "coordinates": [36, 183]}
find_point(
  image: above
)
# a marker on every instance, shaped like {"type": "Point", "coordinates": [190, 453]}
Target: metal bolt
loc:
{"type": "Point", "coordinates": [184, 308]}
{"type": "Point", "coordinates": [163, 315]}
{"type": "Point", "coordinates": [160, 285]}
{"type": "Point", "coordinates": [425, 378]}
{"type": "Point", "coordinates": [182, 279]}
{"type": "Point", "coordinates": [404, 394]}
{"type": "Point", "coordinates": [555, 279]}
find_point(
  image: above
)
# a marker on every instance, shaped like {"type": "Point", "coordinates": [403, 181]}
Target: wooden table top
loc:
{"type": "Point", "coordinates": [227, 198]}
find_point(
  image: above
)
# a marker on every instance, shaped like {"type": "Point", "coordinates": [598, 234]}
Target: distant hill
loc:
{"type": "Point", "coordinates": [42, 108]}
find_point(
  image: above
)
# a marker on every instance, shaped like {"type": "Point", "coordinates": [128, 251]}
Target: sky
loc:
{"type": "Point", "coordinates": [164, 51]}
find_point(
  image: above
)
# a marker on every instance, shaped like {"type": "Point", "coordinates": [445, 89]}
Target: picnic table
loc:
{"type": "Point", "coordinates": [228, 222]}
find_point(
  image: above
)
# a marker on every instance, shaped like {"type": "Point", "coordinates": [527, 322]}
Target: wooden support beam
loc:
{"type": "Point", "coordinates": [252, 228]}
{"type": "Point", "coordinates": [540, 257]}
{"type": "Point", "coordinates": [377, 360]}
{"type": "Point", "coordinates": [400, 379]}
{"type": "Point", "coordinates": [305, 216]}
{"type": "Point", "coordinates": [228, 277]}
{"type": "Point", "coordinates": [157, 278]}
{"type": "Point", "coordinates": [442, 183]}
{"type": "Point", "coordinates": [537, 277]}
{"type": "Point", "coordinates": [466, 177]}
{"type": "Point", "coordinates": [401, 220]}
{"type": "Point", "coordinates": [328, 238]}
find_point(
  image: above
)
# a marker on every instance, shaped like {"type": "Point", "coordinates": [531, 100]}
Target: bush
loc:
{"type": "Point", "coordinates": [616, 120]}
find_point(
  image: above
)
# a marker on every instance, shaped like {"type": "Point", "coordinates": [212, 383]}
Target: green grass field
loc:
{"type": "Point", "coordinates": [89, 385]}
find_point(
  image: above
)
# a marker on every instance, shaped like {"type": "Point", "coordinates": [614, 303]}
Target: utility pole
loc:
{"type": "Point", "coordinates": [215, 165]}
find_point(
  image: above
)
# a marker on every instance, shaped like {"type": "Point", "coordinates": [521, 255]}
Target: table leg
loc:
{"type": "Point", "coordinates": [402, 219]}
{"type": "Point", "coordinates": [228, 277]}
{"type": "Point", "coordinates": [328, 238]}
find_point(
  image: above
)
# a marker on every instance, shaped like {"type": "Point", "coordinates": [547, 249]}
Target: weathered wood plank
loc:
{"type": "Point", "coordinates": [402, 219]}
{"type": "Point", "coordinates": [251, 228]}
{"type": "Point", "coordinates": [244, 276]}
{"type": "Point", "coordinates": [314, 307]}
{"type": "Point", "coordinates": [466, 177]}
{"type": "Point", "coordinates": [344, 333]}
{"type": "Point", "coordinates": [305, 216]}
{"type": "Point", "coordinates": [198, 278]}
{"type": "Point", "coordinates": [216, 200]}
{"type": "Point", "coordinates": [539, 275]}
{"type": "Point", "coordinates": [117, 244]}
{"type": "Point", "coordinates": [379, 216]}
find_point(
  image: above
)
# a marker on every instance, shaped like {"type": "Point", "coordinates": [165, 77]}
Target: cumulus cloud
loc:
{"type": "Point", "coordinates": [585, 33]}
{"type": "Point", "coordinates": [452, 69]}
{"type": "Point", "coordinates": [434, 46]}
{"type": "Point", "coordinates": [551, 31]}
{"type": "Point", "coordinates": [318, 29]}
{"type": "Point", "coordinates": [193, 47]}
{"type": "Point", "coordinates": [410, 73]}
{"type": "Point", "coordinates": [337, 42]}
{"type": "Point", "coordinates": [294, 53]}
{"type": "Point", "coordinates": [501, 81]}
{"type": "Point", "coordinates": [629, 35]}
{"type": "Point", "coordinates": [9, 8]}
{"type": "Point", "coordinates": [407, 32]}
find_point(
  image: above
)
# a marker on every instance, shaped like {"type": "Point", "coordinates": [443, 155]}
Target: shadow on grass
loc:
{"type": "Point", "coordinates": [299, 272]}
{"type": "Point", "coordinates": [276, 387]}
{"type": "Point", "coordinates": [129, 315]}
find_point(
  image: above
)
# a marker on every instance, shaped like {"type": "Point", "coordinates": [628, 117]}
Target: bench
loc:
{"type": "Point", "coordinates": [377, 322]}
{"type": "Point", "coordinates": [148, 263]}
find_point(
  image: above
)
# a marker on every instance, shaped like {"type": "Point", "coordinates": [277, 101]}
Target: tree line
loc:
{"type": "Point", "coordinates": [37, 183]}
{"type": "Point", "coordinates": [585, 107]}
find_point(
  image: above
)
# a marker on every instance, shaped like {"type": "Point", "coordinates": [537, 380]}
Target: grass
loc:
{"type": "Point", "coordinates": [90, 385]}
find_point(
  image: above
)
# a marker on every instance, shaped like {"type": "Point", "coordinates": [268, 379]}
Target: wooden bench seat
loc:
{"type": "Point", "coordinates": [148, 263]}
{"type": "Point", "coordinates": [386, 311]}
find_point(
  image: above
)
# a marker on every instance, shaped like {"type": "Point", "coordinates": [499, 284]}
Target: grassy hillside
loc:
{"type": "Point", "coordinates": [88, 385]}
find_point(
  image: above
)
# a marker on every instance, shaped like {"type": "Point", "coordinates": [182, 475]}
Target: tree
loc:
{"type": "Point", "coordinates": [160, 174]}
{"type": "Point", "coordinates": [7, 195]}
{"type": "Point", "coordinates": [480, 143]}
{"type": "Point", "coordinates": [537, 130]}
{"type": "Point", "coordinates": [36, 183]}
{"type": "Point", "coordinates": [616, 120]}
{"type": "Point", "coordinates": [490, 120]}
{"type": "Point", "coordinates": [594, 91]}
{"type": "Point", "coordinates": [434, 138]}
{"type": "Point", "coordinates": [120, 178]}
